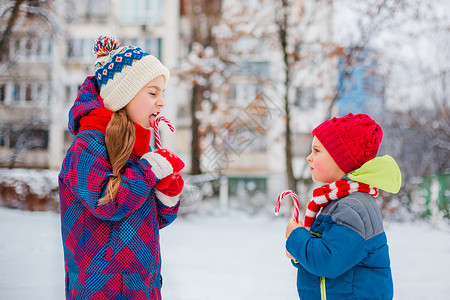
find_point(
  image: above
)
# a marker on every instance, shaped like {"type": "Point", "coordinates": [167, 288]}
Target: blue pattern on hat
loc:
{"type": "Point", "coordinates": [125, 57]}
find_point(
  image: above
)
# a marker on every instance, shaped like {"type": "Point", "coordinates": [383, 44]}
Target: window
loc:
{"type": "Point", "coordinates": [38, 139]}
{"type": "Point", "coordinates": [259, 144]}
{"type": "Point", "coordinates": [16, 92]}
{"type": "Point", "coordinates": [258, 69]}
{"type": "Point", "coordinates": [68, 139]}
{"type": "Point", "coordinates": [305, 98]}
{"type": "Point", "coordinates": [141, 11]}
{"type": "Point", "coordinates": [29, 138]}
{"type": "Point", "coordinates": [252, 3]}
{"type": "Point", "coordinates": [68, 93]}
{"type": "Point", "coordinates": [153, 46]}
{"type": "Point", "coordinates": [4, 135]}
{"type": "Point", "coordinates": [71, 93]}
{"type": "Point", "coordinates": [17, 46]}
{"type": "Point", "coordinates": [85, 11]}
{"type": "Point", "coordinates": [28, 92]}
{"type": "Point", "coordinates": [245, 92]}
{"type": "Point", "coordinates": [80, 48]}
{"type": "Point", "coordinates": [249, 44]}
{"type": "Point", "coordinates": [97, 10]}
{"type": "Point", "coordinates": [43, 48]}
{"type": "Point", "coordinates": [40, 92]}
{"type": "Point", "coordinates": [231, 91]}
{"type": "Point", "coordinates": [2, 93]}
{"type": "Point", "coordinates": [29, 45]}
{"type": "Point", "coordinates": [31, 48]}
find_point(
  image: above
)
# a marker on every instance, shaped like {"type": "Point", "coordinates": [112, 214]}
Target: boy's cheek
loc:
{"type": "Point", "coordinates": [318, 168]}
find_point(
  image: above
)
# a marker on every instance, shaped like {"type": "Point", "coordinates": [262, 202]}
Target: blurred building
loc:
{"type": "Point", "coordinates": [249, 146]}
{"type": "Point", "coordinates": [48, 57]}
{"type": "Point", "coordinates": [361, 87]}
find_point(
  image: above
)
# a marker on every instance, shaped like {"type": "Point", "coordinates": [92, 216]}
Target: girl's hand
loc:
{"type": "Point", "coordinates": [164, 162]}
{"type": "Point", "coordinates": [292, 225]}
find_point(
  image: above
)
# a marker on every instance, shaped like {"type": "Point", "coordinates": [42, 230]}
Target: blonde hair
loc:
{"type": "Point", "coordinates": [119, 139]}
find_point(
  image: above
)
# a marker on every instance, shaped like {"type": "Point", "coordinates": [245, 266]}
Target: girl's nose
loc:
{"type": "Point", "coordinates": [309, 158]}
{"type": "Point", "coordinates": [161, 102]}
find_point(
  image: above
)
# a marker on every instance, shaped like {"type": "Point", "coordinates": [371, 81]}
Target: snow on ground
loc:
{"type": "Point", "coordinates": [230, 257]}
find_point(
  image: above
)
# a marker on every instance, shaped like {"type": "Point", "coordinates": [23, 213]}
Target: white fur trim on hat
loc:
{"type": "Point", "coordinates": [160, 166]}
{"type": "Point", "coordinates": [120, 90]}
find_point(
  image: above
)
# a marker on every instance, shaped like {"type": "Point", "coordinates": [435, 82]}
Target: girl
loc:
{"type": "Point", "coordinates": [115, 194]}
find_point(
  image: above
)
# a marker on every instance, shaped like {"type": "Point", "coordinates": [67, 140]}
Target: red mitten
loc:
{"type": "Point", "coordinates": [175, 161]}
{"type": "Point", "coordinates": [168, 189]}
{"type": "Point", "coordinates": [164, 162]}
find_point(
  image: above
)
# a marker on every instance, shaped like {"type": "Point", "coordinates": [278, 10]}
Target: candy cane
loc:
{"type": "Point", "coordinates": [156, 130]}
{"type": "Point", "coordinates": [294, 198]}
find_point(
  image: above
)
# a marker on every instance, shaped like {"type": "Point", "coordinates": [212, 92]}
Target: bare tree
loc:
{"type": "Point", "coordinates": [27, 135]}
{"type": "Point", "coordinates": [418, 131]}
{"type": "Point", "coordinates": [282, 21]}
{"type": "Point", "coordinates": [33, 15]}
{"type": "Point", "coordinates": [204, 15]}
{"type": "Point", "coordinates": [300, 54]}
{"type": "Point", "coordinates": [211, 61]}
{"type": "Point", "coordinates": [28, 27]}
{"type": "Point", "coordinates": [11, 22]}
{"type": "Point", "coordinates": [358, 47]}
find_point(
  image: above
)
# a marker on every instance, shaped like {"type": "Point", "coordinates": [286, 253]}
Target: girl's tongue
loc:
{"type": "Point", "coordinates": [151, 120]}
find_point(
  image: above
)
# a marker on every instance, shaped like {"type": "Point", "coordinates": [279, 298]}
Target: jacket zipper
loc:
{"type": "Point", "coordinates": [316, 234]}
{"type": "Point", "coordinates": [323, 291]}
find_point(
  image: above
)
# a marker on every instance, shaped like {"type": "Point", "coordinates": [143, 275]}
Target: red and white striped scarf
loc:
{"type": "Point", "coordinates": [323, 195]}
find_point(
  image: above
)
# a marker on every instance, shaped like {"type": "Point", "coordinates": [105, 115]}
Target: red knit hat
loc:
{"type": "Point", "coordinates": [351, 140]}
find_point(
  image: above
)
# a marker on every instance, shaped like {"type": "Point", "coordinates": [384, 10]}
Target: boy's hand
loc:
{"type": "Point", "coordinates": [292, 225]}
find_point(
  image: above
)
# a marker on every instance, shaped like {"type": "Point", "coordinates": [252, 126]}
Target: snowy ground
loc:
{"type": "Point", "coordinates": [230, 257]}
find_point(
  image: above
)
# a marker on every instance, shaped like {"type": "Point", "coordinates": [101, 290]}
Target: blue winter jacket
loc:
{"type": "Point", "coordinates": [345, 254]}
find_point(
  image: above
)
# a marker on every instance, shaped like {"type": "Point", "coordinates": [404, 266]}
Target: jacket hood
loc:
{"type": "Point", "coordinates": [87, 100]}
{"type": "Point", "coordinates": [380, 172]}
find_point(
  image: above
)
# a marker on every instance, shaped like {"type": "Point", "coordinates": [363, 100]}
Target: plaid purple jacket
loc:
{"type": "Point", "coordinates": [110, 251]}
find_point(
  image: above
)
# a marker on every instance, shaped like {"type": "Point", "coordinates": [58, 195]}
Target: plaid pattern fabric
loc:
{"type": "Point", "coordinates": [111, 251]}
{"type": "Point", "coordinates": [87, 100]}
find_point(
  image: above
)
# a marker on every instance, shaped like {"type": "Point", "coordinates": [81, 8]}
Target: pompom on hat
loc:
{"type": "Point", "coordinates": [121, 72]}
{"type": "Point", "coordinates": [351, 140]}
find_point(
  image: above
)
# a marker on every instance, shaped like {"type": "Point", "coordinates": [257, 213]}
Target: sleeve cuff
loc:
{"type": "Point", "coordinates": [169, 201]}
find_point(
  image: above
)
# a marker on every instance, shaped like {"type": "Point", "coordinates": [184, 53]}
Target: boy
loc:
{"type": "Point", "coordinates": [343, 253]}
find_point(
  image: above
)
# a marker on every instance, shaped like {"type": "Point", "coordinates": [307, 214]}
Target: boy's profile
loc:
{"type": "Point", "coordinates": [341, 250]}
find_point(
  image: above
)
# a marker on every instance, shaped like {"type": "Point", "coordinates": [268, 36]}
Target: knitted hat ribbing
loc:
{"type": "Point", "coordinates": [122, 72]}
{"type": "Point", "coordinates": [351, 140]}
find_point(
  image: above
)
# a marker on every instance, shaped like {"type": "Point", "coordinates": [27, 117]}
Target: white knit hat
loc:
{"type": "Point", "coordinates": [122, 72]}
